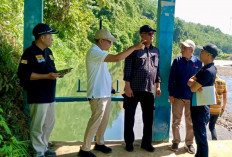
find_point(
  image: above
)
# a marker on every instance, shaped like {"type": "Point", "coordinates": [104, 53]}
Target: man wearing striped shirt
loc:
{"type": "Point", "coordinates": [216, 109]}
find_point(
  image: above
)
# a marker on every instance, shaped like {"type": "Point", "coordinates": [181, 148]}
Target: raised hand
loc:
{"type": "Point", "coordinates": [140, 45]}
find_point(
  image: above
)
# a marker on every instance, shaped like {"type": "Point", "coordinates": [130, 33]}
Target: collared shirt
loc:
{"type": "Point", "coordinates": [220, 87]}
{"type": "Point", "coordinates": [181, 71]}
{"type": "Point", "coordinates": [206, 77]}
{"type": "Point", "coordinates": [142, 69]}
{"type": "Point", "coordinates": [41, 62]}
{"type": "Point", "coordinates": [207, 74]}
{"type": "Point", "coordinates": [99, 81]}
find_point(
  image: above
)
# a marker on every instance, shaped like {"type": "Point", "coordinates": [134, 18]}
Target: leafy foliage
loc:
{"type": "Point", "coordinates": [13, 123]}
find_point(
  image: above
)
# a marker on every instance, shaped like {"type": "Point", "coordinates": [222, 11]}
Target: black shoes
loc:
{"type": "Point", "coordinates": [148, 148]}
{"type": "Point", "coordinates": [129, 147]}
{"type": "Point", "coordinates": [50, 153]}
{"type": "Point", "coordinates": [103, 148]}
{"type": "Point", "coordinates": [97, 147]}
{"type": "Point", "coordinates": [174, 147]}
{"type": "Point", "coordinates": [86, 154]}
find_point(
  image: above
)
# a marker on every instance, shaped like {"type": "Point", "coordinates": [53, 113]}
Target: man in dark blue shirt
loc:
{"type": "Point", "coordinates": [183, 67]}
{"type": "Point", "coordinates": [37, 74]}
{"type": "Point", "coordinates": [141, 73]}
{"type": "Point", "coordinates": [200, 114]}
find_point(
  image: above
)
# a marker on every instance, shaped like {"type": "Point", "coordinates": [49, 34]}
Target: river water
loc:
{"type": "Point", "coordinates": [72, 117]}
{"type": "Point", "coordinates": [228, 110]}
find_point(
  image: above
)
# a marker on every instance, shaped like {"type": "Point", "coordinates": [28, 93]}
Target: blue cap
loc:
{"type": "Point", "coordinates": [146, 28]}
{"type": "Point", "coordinates": [41, 29]}
{"type": "Point", "coordinates": [211, 48]}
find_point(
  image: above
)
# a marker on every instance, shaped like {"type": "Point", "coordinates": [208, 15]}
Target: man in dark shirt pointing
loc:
{"type": "Point", "coordinates": [141, 73]}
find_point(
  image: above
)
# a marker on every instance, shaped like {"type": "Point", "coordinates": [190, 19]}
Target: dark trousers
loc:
{"type": "Point", "coordinates": [212, 122]}
{"type": "Point", "coordinates": [200, 117]}
{"type": "Point", "coordinates": [147, 104]}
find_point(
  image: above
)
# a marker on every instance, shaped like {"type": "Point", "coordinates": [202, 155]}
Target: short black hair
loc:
{"type": "Point", "coordinates": [37, 37]}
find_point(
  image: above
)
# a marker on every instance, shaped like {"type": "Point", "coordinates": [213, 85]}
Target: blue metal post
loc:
{"type": "Point", "coordinates": [117, 90]}
{"type": "Point", "coordinates": [165, 26]}
{"type": "Point", "coordinates": [33, 14]}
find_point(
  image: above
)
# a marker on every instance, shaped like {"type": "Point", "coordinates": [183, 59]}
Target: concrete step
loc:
{"type": "Point", "coordinates": [220, 148]}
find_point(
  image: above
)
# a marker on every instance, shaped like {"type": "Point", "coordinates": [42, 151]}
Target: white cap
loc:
{"type": "Point", "coordinates": [104, 34]}
{"type": "Point", "coordinates": [188, 43]}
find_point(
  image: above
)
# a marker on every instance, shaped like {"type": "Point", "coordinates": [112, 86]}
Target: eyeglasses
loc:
{"type": "Point", "coordinates": [149, 33]}
{"type": "Point", "coordinates": [110, 42]}
{"type": "Point", "coordinates": [184, 47]}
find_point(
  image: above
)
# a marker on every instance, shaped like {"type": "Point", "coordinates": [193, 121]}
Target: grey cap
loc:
{"type": "Point", "coordinates": [188, 43]}
{"type": "Point", "coordinates": [105, 34]}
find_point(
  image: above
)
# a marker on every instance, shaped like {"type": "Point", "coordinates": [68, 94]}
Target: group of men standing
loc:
{"type": "Point", "coordinates": [37, 75]}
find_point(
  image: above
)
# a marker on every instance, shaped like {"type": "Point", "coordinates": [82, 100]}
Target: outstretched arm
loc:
{"type": "Point", "coordinates": [120, 56]}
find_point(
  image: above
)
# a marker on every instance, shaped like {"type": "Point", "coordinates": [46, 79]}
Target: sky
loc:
{"type": "Point", "coordinates": [216, 13]}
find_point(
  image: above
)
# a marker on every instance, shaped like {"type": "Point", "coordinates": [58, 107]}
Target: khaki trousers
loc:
{"type": "Point", "coordinates": [177, 110]}
{"type": "Point", "coordinates": [42, 122]}
{"type": "Point", "coordinates": [98, 121]}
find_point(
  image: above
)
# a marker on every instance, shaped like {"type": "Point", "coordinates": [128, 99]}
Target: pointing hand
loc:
{"type": "Point", "coordinates": [140, 45]}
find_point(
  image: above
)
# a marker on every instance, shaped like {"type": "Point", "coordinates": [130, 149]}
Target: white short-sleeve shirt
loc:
{"type": "Point", "coordinates": [99, 81]}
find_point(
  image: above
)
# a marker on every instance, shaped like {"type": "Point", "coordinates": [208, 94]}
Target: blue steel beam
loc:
{"type": "Point", "coordinates": [165, 28]}
{"type": "Point", "coordinates": [33, 14]}
{"type": "Point", "coordinates": [78, 99]}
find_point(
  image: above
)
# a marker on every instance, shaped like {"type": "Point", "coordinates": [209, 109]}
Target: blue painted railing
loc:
{"type": "Point", "coordinates": [79, 99]}
{"type": "Point", "coordinates": [82, 98]}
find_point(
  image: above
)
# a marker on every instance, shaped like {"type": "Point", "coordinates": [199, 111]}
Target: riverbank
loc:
{"type": "Point", "coordinates": [224, 68]}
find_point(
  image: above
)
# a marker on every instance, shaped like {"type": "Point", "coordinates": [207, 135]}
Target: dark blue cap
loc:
{"type": "Point", "coordinates": [41, 29]}
{"type": "Point", "coordinates": [211, 48]}
{"type": "Point", "coordinates": [146, 28]}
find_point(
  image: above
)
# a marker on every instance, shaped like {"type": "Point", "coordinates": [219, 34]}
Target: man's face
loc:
{"type": "Point", "coordinates": [148, 36]}
{"type": "Point", "coordinates": [47, 40]}
{"type": "Point", "coordinates": [204, 55]}
{"type": "Point", "coordinates": [106, 44]}
{"type": "Point", "coordinates": [186, 51]}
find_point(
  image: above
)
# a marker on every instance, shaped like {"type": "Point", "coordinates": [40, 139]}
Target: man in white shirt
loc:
{"type": "Point", "coordinates": [99, 89]}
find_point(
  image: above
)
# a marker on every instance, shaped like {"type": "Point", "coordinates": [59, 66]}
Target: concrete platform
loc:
{"type": "Point", "coordinates": [221, 148]}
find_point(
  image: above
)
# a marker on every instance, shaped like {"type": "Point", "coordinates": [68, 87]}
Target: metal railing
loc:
{"type": "Point", "coordinates": [82, 98]}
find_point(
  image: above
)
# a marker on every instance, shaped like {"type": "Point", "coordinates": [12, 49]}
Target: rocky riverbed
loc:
{"type": "Point", "coordinates": [225, 70]}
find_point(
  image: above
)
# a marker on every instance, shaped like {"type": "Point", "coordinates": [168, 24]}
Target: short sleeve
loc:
{"type": "Point", "coordinates": [203, 77]}
{"type": "Point", "coordinates": [96, 55]}
{"type": "Point", "coordinates": [225, 88]}
{"type": "Point", "coordinates": [25, 69]}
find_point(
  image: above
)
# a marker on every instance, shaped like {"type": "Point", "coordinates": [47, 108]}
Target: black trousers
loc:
{"type": "Point", "coordinates": [147, 104]}
{"type": "Point", "coordinates": [212, 122]}
{"type": "Point", "coordinates": [200, 118]}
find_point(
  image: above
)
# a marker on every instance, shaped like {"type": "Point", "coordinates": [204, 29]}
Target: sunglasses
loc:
{"type": "Point", "coordinates": [110, 42]}
{"type": "Point", "coordinates": [149, 33]}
